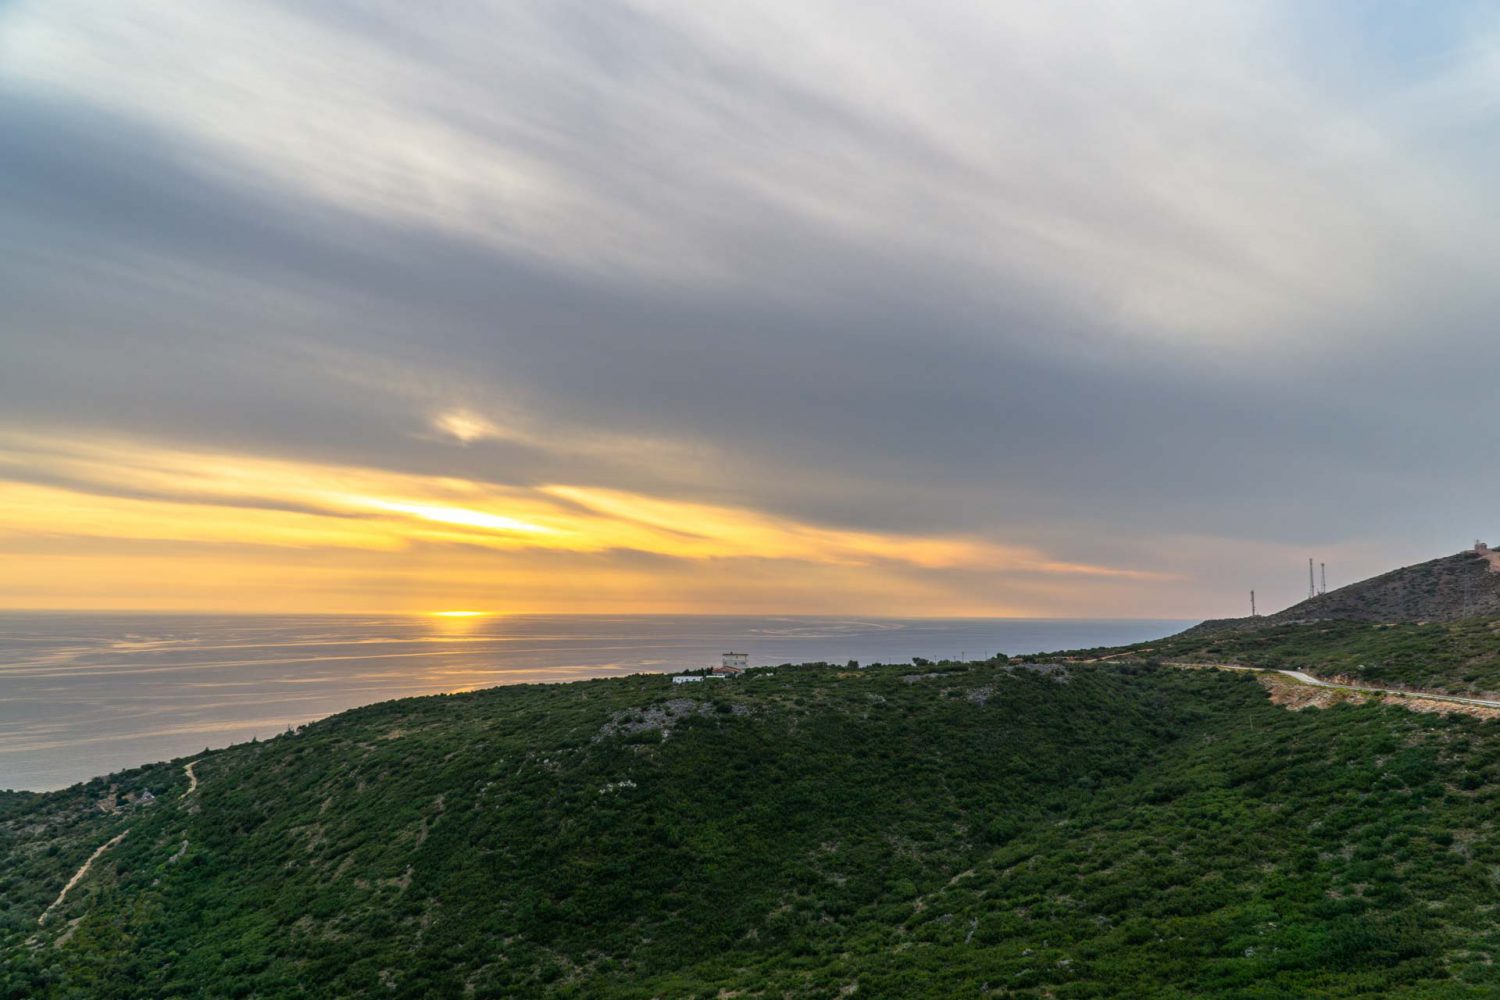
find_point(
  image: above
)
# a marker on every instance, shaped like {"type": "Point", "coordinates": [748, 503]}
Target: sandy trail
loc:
{"type": "Point", "coordinates": [192, 787]}
{"type": "Point", "coordinates": [1303, 678]}
{"type": "Point", "coordinates": [1298, 675]}
{"type": "Point", "coordinates": [79, 874]}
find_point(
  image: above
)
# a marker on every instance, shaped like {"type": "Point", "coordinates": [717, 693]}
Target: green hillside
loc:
{"type": "Point", "coordinates": [957, 830]}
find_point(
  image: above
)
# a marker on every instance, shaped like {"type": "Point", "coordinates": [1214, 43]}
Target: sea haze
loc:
{"type": "Point", "coordinates": [85, 694]}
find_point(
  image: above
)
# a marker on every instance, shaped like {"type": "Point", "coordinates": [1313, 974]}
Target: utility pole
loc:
{"type": "Point", "coordinates": [1252, 604]}
{"type": "Point", "coordinates": [1323, 571]}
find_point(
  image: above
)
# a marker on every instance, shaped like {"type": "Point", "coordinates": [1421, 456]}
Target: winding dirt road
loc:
{"type": "Point", "coordinates": [1309, 679]}
{"type": "Point", "coordinates": [1298, 675]}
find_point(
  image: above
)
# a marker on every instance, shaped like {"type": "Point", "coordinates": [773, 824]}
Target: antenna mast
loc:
{"type": "Point", "coordinates": [1252, 604]}
{"type": "Point", "coordinates": [1312, 591]}
{"type": "Point", "coordinates": [1323, 572]}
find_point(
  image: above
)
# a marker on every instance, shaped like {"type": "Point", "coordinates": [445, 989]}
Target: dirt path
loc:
{"type": "Point", "coordinates": [1457, 699]}
{"type": "Point", "coordinates": [79, 874]}
{"type": "Point", "coordinates": [1303, 678]}
{"type": "Point", "coordinates": [192, 787]}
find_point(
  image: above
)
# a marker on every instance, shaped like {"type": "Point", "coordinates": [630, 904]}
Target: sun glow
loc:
{"type": "Point", "coordinates": [457, 515]}
{"type": "Point", "coordinates": [459, 614]}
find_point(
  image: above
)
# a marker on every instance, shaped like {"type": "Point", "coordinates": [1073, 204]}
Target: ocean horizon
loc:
{"type": "Point", "coordinates": [83, 694]}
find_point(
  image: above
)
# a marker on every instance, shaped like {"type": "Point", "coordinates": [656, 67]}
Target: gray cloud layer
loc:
{"type": "Point", "coordinates": [1159, 288]}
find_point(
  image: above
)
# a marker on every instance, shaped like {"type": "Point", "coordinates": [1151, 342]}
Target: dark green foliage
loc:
{"type": "Point", "coordinates": [1029, 830]}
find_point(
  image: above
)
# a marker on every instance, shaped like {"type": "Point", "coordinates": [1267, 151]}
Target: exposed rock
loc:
{"type": "Point", "coordinates": [661, 716]}
{"type": "Point", "coordinates": [1056, 671]}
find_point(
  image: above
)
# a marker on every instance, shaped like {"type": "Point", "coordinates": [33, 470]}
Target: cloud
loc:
{"type": "Point", "coordinates": [90, 498]}
{"type": "Point", "coordinates": [131, 489]}
{"type": "Point", "coordinates": [465, 426]}
{"type": "Point", "coordinates": [1079, 285]}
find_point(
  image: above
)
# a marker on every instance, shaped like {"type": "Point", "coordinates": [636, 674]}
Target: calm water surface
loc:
{"type": "Point", "coordinates": [86, 694]}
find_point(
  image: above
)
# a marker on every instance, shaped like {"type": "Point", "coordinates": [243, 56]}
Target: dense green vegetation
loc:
{"type": "Point", "coordinates": [1459, 656]}
{"type": "Point", "coordinates": [942, 830]}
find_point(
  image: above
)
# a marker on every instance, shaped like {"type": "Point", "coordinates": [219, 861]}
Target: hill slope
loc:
{"type": "Point", "coordinates": [894, 832]}
{"type": "Point", "coordinates": [1439, 590]}
{"type": "Point", "coordinates": [1434, 626]}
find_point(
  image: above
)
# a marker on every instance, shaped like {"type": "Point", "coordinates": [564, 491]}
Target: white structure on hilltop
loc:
{"type": "Point", "coordinates": [686, 679]}
{"type": "Point", "coordinates": [735, 661]}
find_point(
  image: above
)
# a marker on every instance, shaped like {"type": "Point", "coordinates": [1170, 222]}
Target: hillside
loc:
{"type": "Point", "coordinates": [951, 830]}
{"type": "Point", "coordinates": [1440, 590]}
{"type": "Point", "coordinates": [1434, 626]}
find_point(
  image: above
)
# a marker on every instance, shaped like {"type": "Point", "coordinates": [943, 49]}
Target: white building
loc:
{"type": "Point", "coordinates": [686, 679]}
{"type": "Point", "coordinates": [735, 661]}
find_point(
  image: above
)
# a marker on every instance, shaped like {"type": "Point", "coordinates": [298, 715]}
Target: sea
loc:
{"type": "Point", "coordinates": [83, 695]}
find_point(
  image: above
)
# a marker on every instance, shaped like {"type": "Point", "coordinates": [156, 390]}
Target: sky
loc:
{"type": "Point", "coordinates": [905, 308]}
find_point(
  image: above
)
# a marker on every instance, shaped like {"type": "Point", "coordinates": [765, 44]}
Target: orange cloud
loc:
{"type": "Point", "coordinates": [79, 501]}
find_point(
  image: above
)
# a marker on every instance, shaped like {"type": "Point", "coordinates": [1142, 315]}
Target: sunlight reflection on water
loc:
{"type": "Point", "coordinates": [85, 694]}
